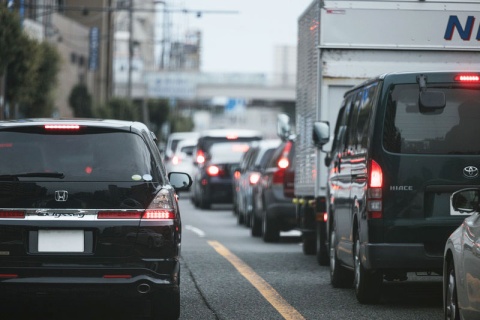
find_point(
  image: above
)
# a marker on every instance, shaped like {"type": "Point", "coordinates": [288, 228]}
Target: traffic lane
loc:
{"type": "Point", "coordinates": [298, 278]}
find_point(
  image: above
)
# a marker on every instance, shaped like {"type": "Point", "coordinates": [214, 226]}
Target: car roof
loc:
{"type": "Point", "coordinates": [103, 123]}
{"type": "Point", "coordinates": [226, 132]}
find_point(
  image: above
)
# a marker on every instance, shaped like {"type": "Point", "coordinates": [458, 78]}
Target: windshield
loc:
{"type": "Point", "coordinates": [112, 156]}
{"type": "Point", "coordinates": [451, 130]}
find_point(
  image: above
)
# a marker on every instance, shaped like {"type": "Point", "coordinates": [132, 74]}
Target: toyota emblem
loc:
{"type": "Point", "coordinates": [470, 172]}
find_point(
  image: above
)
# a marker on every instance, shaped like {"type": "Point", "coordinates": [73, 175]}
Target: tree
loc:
{"type": "Point", "coordinates": [10, 32]}
{"type": "Point", "coordinates": [81, 101]}
{"type": "Point", "coordinates": [45, 70]}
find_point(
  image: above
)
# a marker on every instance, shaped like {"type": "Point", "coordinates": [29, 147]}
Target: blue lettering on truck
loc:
{"type": "Point", "coordinates": [464, 33]}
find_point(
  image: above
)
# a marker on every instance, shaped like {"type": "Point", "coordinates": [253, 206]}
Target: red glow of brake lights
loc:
{"type": "Point", "coordinates": [283, 163]}
{"type": "Point", "coordinates": [175, 160]}
{"type": "Point", "coordinates": [12, 214]}
{"type": "Point", "coordinates": [158, 214]}
{"type": "Point", "coordinates": [200, 158]}
{"type": "Point", "coordinates": [376, 175]}
{"type": "Point", "coordinates": [467, 78]}
{"type": "Point", "coordinates": [254, 178]}
{"type": "Point", "coordinates": [213, 170]}
{"type": "Point", "coordinates": [88, 169]}
{"type": "Point", "coordinates": [62, 126]}
{"type": "Point", "coordinates": [232, 136]}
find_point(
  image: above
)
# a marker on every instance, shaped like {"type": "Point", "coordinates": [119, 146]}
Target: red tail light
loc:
{"type": "Point", "coordinates": [278, 176]}
{"type": "Point", "coordinates": [8, 275]}
{"type": "Point", "coordinates": [12, 214]}
{"type": "Point", "coordinates": [213, 171]}
{"type": "Point", "coordinates": [159, 214]}
{"type": "Point", "coordinates": [237, 174]}
{"type": "Point", "coordinates": [283, 163]}
{"type": "Point", "coordinates": [175, 160]}
{"type": "Point", "coordinates": [254, 178]}
{"type": "Point", "coordinates": [374, 192]}
{"type": "Point", "coordinates": [119, 214]}
{"type": "Point", "coordinates": [149, 214]}
{"type": "Point", "coordinates": [467, 78]}
{"type": "Point", "coordinates": [200, 157]}
{"type": "Point", "coordinates": [62, 127]}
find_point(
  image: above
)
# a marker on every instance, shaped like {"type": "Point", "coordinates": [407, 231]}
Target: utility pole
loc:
{"type": "Point", "coordinates": [130, 49]}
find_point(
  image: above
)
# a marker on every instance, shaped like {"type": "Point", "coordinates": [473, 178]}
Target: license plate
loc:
{"type": "Point", "coordinates": [61, 241]}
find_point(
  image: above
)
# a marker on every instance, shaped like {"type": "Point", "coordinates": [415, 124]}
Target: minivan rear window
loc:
{"type": "Point", "coordinates": [106, 156]}
{"type": "Point", "coordinates": [452, 130]}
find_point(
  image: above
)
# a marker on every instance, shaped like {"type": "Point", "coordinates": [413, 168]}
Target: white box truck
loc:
{"type": "Point", "coordinates": [342, 43]}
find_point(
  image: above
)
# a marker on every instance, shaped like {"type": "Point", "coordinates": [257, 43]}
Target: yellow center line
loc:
{"type": "Point", "coordinates": [266, 290]}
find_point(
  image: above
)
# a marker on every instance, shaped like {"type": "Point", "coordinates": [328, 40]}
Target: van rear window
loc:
{"type": "Point", "coordinates": [452, 130]}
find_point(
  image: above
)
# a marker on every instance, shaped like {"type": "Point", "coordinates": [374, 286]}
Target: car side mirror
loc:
{"type": "Point", "coordinates": [179, 180]}
{"type": "Point", "coordinates": [465, 200]}
{"type": "Point", "coordinates": [321, 133]}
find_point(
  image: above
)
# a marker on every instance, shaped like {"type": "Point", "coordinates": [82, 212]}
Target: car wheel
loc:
{"type": "Point", "coordinates": [166, 305]}
{"type": "Point", "coordinates": [322, 249]}
{"type": "Point", "coordinates": [270, 229]}
{"type": "Point", "coordinates": [240, 218]}
{"type": "Point", "coordinates": [450, 308]}
{"type": "Point", "coordinates": [255, 225]}
{"type": "Point", "coordinates": [339, 276]}
{"type": "Point", "coordinates": [367, 284]}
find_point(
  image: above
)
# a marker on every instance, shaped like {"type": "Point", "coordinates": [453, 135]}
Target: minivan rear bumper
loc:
{"type": "Point", "coordinates": [409, 257]}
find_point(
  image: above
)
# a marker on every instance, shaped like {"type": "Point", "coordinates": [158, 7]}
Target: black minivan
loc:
{"type": "Point", "coordinates": [403, 143]}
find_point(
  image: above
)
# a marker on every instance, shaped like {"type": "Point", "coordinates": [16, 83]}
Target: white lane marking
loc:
{"type": "Point", "coordinates": [197, 231]}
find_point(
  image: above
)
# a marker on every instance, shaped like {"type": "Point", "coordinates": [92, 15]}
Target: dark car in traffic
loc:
{"type": "Point", "coordinates": [248, 177]}
{"type": "Point", "coordinates": [87, 206]}
{"type": "Point", "coordinates": [214, 178]}
{"type": "Point", "coordinates": [274, 210]}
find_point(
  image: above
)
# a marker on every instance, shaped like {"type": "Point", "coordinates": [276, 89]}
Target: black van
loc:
{"type": "Point", "coordinates": [403, 143]}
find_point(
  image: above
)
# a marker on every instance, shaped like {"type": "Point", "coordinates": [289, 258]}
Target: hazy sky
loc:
{"type": "Point", "coordinates": [241, 41]}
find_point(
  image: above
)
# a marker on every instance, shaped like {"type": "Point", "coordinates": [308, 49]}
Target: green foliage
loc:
{"type": "Point", "coordinates": [158, 113]}
{"type": "Point", "coordinates": [10, 32]}
{"type": "Point", "coordinates": [45, 70]}
{"type": "Point", "coordinates": [81, 101]}
{"type": "Point", "coordinates": [120, 109]}
{"type": "Point", "coordinates": [181, 124]}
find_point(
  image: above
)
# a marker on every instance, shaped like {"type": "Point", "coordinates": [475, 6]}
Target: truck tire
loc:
{"type": "Point", "coordinates": [367, 283]}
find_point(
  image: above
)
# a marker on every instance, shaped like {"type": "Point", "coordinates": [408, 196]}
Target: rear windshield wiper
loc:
{"type": "Point", "coordinates": [58, 175]}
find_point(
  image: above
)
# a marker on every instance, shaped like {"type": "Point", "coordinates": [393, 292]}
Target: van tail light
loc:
{"type": "Point", "coordinates": [278, 176]}
{"type": "Point", "coordinates": [65, 126]}
{"type": "Point", "coordinates": [374, 192]}
{"type": "Point", "coordinates": [161, 208]}
{"type": "Point", "coordinates": [12, 214]}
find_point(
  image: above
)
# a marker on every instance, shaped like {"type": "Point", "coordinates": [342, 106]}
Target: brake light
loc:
{"type": "Point", "coordinates": [200, 158]}
{"type": "Point", "coordinates": [278, 176]}
{"type": "Point", "coordinates": [6, 145]}
{"type": "Point", "coordinates": [254, 178]}
{"type": "Point", "coordinates": [374, 192]}
{"type": "Point", "coordinates": [119, 214]}
{"type": "Point", "coordinates": [12, 214]}
{"type": "Point", "coordinates": [467, 78]}
{"type": "Point", "coordinates": [237, 174]}
{"type": "Point", "coordinates": [232, 136]}
{"type": "Point", "coordinates": [283, 163]}
{"type": "Point", "coordinates": [213, 171]}
{"type": "Point", "coordinates": [158, 214]}
{"type": "Point", "coordinates": [62, 127]}
{"type": "Point", "coordinates": [8, 275]}
{"type": "Point", "coordinates": [175, 160]}
{"type": "Point", "coordinates": [376, 175]}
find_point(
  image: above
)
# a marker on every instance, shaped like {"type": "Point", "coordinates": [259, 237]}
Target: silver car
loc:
{"type": "Point", "coordinates": [461, 270]}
